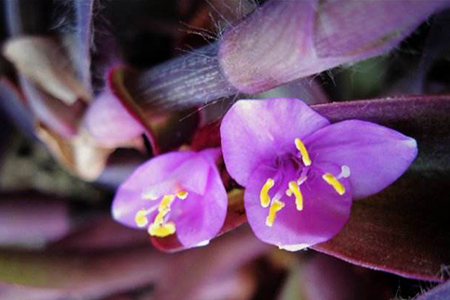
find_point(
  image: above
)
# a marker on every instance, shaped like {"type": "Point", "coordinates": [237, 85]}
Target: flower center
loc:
{"type": "Point", "coordinates": [294, 186]}
{"type": "Point", "coordinates": [160, 227]}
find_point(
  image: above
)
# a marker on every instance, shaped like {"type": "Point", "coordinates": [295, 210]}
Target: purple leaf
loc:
{"type": "Point", "coordinates": [404, 229]}
{"type": "Point", "coordinates": [22, 224]}
{"type": "Point", "coordinates": [101, 234]}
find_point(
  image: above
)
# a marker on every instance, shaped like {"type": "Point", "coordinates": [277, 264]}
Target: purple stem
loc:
{"type": "Point", "coordinates": [190, 80]}
{"type": "Point", "coordinates": [83, 11]}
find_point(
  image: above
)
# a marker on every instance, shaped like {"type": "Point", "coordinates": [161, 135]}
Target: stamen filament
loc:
{"type": "Point", "coordinates": [345, 172]}
{"type": "Point", "coordinates": [305, 155]}
{"type": "Point", "coordinates": [336, 184]}
{"type": "Point", "coordinates": [293, 186]}
{"type": "Point", "coordinates": [264, 194]}
{"type": "Point", "coordinates": [275, 207]}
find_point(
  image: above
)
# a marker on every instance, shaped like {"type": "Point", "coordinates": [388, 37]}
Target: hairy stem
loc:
{"type": "Point", "coordinates": [189, 80]}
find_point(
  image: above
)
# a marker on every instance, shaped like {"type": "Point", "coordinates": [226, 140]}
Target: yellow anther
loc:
{"type": "Point", "coordinates": [162, 230]}
{"type": "Point", "coordinates": [305, 155]}
{"type": "Point", "coordinates": [288, 192]}
{"type": "Point", "coordinates": [182, 195]}
{"type": "Point", "coordinates": [264, 194]}
{"type": "Point", "coordinates": [336, 184]}
{"type": "Point", "coordinates": [275, 207]}
{"type": "Point", "coordinates": [141, 218]}
{"type": "Point", "coordinates": [293, 186]}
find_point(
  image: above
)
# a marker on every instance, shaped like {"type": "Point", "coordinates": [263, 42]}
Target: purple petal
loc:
{"type": "Point", "coordinates": [376, 155]}
{"type": "Point", "coordinates": [254, 131]}
{"type": "Point", "coordinates": [199, 218]}
{"type": "Point", "coordinates": [192, 174]}
{"type": "Point", "coordinates": [109, 122]}
{"type": "Point", "coordinates": [128, 199]}
{"type": "Point", "coordinates": [211, 155]}
{"type": "Point", "coordinates": [324, 211]}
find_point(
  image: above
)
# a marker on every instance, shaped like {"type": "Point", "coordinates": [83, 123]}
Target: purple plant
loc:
{"type": "Point", "coordinates": [102, 84]}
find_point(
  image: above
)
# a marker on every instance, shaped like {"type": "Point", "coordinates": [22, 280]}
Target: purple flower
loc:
{"type": "Point", "coordinates": [301, 172]}
{"type": "Point", "coordinates": [176, 193]}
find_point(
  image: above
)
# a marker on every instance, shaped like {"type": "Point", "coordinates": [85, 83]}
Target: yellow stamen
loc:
{"type": "Point", "coordinates": [162, 230]}
{"type": "Point", "coordinates": [275, 207]}
{"type": "Point", "coordinates": [182, 195]}
{"type": "Point", "coordinates": [336, 184]}
{"type": "Point", "coordinates": [141, 218]}
{"type": "Point", "coordinates": [293, 186]}
{"type": "Point", "coordinates": [305, 155]}
{"type": "Point", "coordinates": [264, 195]}
{"type": "Point", "coordinates": [164, 208]}
{"type": "Point", "coordinates": [158, 228]}
{"type": "Point", "coordinates": [288, 192]}
{"type": "Point", "coordinates": [166, 202]}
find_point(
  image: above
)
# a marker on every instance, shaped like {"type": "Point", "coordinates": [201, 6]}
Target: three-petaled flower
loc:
{"type": "Point", "coordinates": [301, 173]}
{"type": "Point", "coordinates": [175, 193]}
